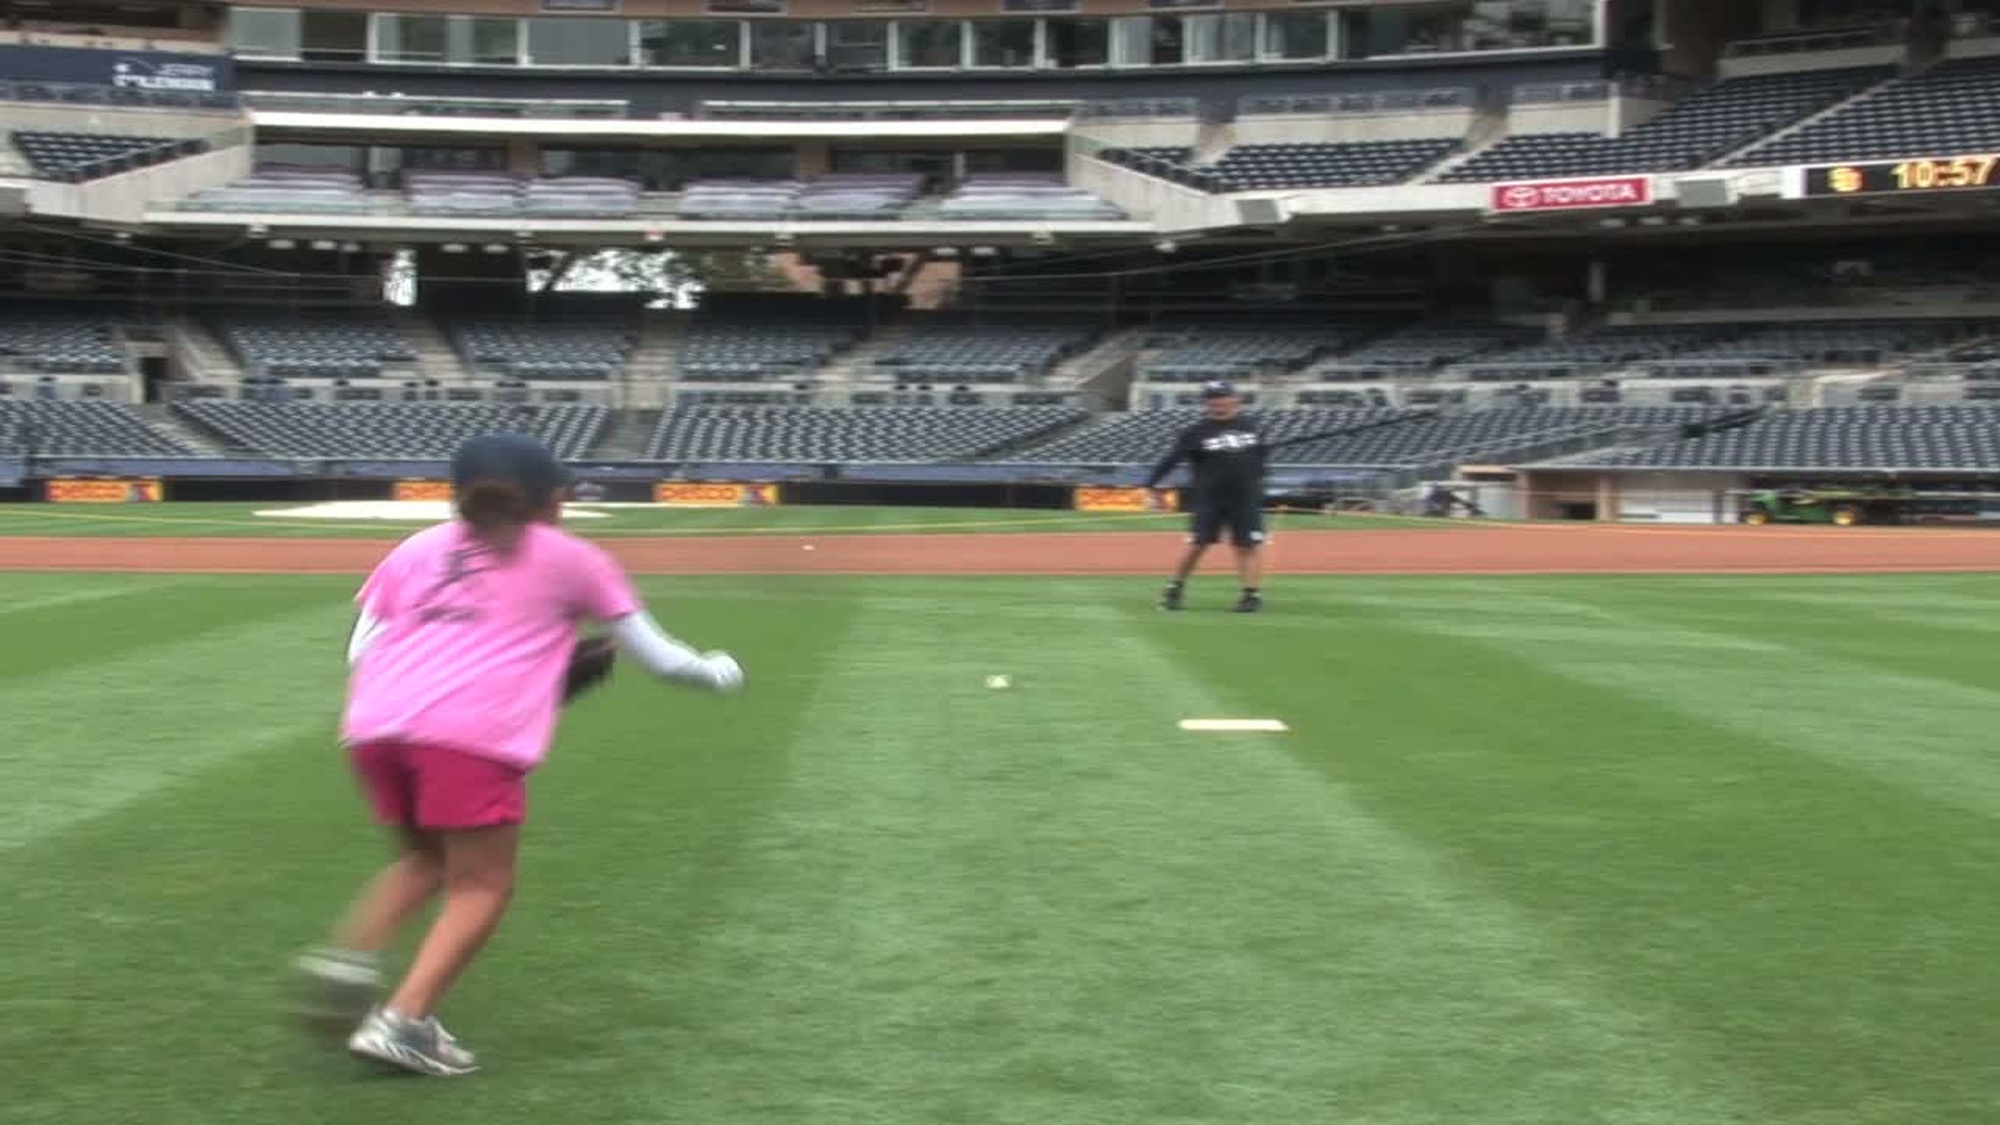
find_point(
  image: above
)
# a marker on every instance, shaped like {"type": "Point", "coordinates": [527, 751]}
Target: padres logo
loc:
{"type": "Point", "coordinates": [1844, 178]}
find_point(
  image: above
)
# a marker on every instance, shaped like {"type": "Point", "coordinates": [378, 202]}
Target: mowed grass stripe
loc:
{"type": "Point", "coordinates": [183, 907]}
{"type": "Point", "coordinates": [87, 738]}
{"type": "Point", "coordinates": [1047, 904]}
{"type": "Point", "coordinates": [1781, 893]}
{"type": "Point", "coordinates": [67, 621]}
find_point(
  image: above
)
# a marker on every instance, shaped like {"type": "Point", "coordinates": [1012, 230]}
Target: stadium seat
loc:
{"type": "Point", "coordinates": [1945, 111]}
{"type": "Point", "coordinates": [73, 157]}
{"type": "Point", "coordinates": [871, 434]}
{"type": "Point", "coordinates": [1723, 117]}
{"type": "Point", "coordinates": [957, 351]}
{"type": "Point", "coordinates": [80, 428]}
{"type": "Point", "coordinates": [1264, 167]}
{"type": "Point", "coordinates": [390, 430]}
{"type": "Point", "coordinates": [1938, 437]}
{"type": "Point", "coordinates": [316, 343]}
{"type": "Point", "coordinates": [1143, 436]}
{"type": "Point", "coordinates": [581, 347]}
{"type": "Point", "coordinates": [59, 342]}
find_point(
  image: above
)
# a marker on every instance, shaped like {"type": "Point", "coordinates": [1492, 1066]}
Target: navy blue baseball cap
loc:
{"type": "Point", "coordinates": [510, 457]}
{"type": "Point", "coordinates": [1220, 388]}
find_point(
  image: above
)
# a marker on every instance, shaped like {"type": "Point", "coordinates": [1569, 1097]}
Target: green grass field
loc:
{"type": "Point", "coordinates": [230, 519]}
{"type": "Point", "coordinates": [1663, 851]}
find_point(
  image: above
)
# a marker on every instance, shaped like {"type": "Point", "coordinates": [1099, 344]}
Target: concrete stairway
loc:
{"type": "Point", "coordinates": [195, 354]}
{"type": "Point", "coordinates": [625, 435]}
{"type": "Point", "coordinates": [160, 416]}
{"type": "Point", "coordinates": [857, 364]}
{"type": "Point", "coordinates": [650, 370]}
{"type": "Point", "coordinates": [436, 357]}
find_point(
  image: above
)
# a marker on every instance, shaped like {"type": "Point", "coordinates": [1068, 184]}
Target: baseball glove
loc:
{"type": "Point", "coordinates": [589, 665]}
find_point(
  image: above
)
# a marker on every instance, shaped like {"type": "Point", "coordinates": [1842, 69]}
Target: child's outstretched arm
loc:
{"type": "Point", "coordinates": [366, 627]}
{"type": "Point", "coordinates": [641, 637]}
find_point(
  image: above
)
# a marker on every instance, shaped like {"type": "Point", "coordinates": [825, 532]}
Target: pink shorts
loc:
{"type": "Point", "coordinates": [432, 788]}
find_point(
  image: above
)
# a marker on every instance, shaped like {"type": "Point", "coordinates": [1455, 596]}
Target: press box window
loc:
{"type": "Point", "coordinates": [691, 43]}
{"type": "Point", "coordinates": [1003, 43]}
{"type": "Point", "coordinates": [265, 33]}
{"type": "Point", "coordinates": [579, 42]}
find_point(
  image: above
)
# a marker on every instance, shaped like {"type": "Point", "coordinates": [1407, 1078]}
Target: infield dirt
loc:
{"type": "Point", "coordinates": [1500, 549]}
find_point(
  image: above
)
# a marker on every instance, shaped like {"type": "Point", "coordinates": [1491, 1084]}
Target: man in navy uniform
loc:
{"type": "Point", "coordinates": [1226, 452]}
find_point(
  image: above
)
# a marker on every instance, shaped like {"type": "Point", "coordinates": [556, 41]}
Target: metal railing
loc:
{"type": "Point", "coordinates": [1380, 101]}
{"type": "Point", "coordinates": [115, 97]}
{"type": "Point", "coordinates": [1140, 107]}
{"type": "Point", "coordinates": [404, 105]}
{"type": "Point", "coordinates": [1885, 34]}
{"type": "Point", "coordinates": [907, 110]}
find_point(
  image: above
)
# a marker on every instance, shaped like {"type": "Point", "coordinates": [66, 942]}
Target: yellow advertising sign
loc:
{"type": "Point", "coordinates": [694, 494]}
{"type": "Point", "coordinates": [76, 491]}
{"type": "Point", "coordinates": [1125, 500]}
{"type": "Point", "coordinates": [421, 490]}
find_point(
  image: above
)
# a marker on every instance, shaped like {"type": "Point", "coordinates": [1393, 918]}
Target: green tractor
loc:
{"type": "Point", "coordinates": [1839, 507]}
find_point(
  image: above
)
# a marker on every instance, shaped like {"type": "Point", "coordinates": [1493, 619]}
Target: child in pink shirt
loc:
{"type": "Point", "coordinates": [459, 659]}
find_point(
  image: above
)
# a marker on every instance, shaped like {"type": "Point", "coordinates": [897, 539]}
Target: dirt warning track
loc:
{"type": "Point", "coordinates": [1500, 549]}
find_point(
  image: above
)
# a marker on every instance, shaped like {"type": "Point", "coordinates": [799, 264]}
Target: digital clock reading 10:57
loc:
{"type": "Point", "coordinates": [1890, 177]}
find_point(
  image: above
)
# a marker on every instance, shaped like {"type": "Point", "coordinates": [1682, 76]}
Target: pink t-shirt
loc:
{"type": "Point", "coordinates": [474, 644]}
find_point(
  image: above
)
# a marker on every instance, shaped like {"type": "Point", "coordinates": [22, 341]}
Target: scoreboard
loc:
{"type": "Point", "coordinates": [1902, 177]}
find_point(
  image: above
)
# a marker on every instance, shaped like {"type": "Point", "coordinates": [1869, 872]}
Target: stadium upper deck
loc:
{"type": "Point", "coordinates": [1037, 123]}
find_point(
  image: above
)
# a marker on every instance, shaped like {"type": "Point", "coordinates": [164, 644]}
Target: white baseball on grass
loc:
{"type": "Point", "coordinates": [998, 683]}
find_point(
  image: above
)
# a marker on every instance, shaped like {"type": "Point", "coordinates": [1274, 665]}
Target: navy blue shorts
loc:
{"type": "Point", "coordinates": [1241, 517]}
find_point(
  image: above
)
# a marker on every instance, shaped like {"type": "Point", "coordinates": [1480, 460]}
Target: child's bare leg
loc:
{"type": "Point", "coordinates": [393, 897]}
{"type": "Point", "coordinates": [478, 874]}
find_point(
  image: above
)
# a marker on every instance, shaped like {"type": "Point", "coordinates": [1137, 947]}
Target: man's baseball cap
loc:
{"type": "Point", "coordinates": [1220, 388]}
{"type": "Point", "coordinates": [510, 457]}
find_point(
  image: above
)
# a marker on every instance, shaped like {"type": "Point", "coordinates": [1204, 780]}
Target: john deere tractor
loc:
{"type": "Point", "coordinates": [1839, 507]}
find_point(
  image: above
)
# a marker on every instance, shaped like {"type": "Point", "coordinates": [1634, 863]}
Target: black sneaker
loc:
{"type": "Point", "coordinates": [1172, 598]}
{"type": "Point", "coordinates": [1250, 603]}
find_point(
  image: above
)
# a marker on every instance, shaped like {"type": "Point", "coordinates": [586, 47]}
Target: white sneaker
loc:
{"type": "Point", "coordinates": [336, 988]}
{"type": "Point", "coordinates": [418, 1046]}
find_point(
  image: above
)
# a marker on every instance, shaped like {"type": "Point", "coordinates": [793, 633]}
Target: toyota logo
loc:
{"type": "Point", "coordinates": [1522, 196]}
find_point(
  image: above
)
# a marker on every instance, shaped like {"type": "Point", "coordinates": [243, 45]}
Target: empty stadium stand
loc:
{"type": "Point", "coordinates": [389, 430]}
{"type": "Point", "coordinates": [1142, 436]}
{"type": "Point", "coordinates": [316, 343]}
{"type": "Point", "coordinates": [305, 190]}
{"type": "Point", "coordinates": [1700, 128]}
{"type": "Point", "coordinates": [59, 342]}
{"type": "Point", "coordinates": [854, 196]}
{"type": "Point", "coordinates": [1024, 196]}
{"type": "Point", "coordinates": [81, 428]}
{"type": "Point", "coordinates": [1777, 348]}
{"type": "Point", "coordinates": [951, 350]}
{"type": "Point", "coordinates": [881, 434]}
{"type": "Point", "coordinates": [74, 157]}
{"type": "Point", "coordinates": [1418, 350]}
{"type": "Point", "coordinates": [1945, 111]}
{"type": "Point", "coordinates": [749, 336]}
{"type": "Point", "coordinates": [1212, 351]}
{"type": "Point", "coordinates": [497, 193]}
{"type": "Point", "coordinates": [1592, 351]}
{"type": "Point", "coordinates": [1263, 167]}
{"type": "Point", "coordinates": [570, 348]}
{"type": "Point", "coordinates": [1947, 437]}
